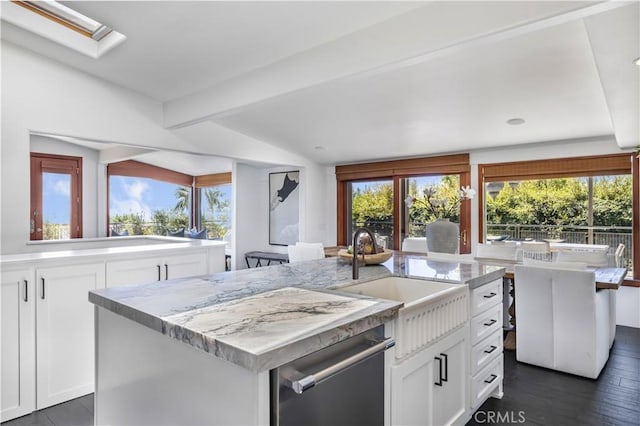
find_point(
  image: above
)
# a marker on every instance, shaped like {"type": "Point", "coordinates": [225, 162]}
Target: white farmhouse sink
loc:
{"type": "Point", "coordinates": [407, 290]}
{"type": "Point", "coordinates": [431, 309]}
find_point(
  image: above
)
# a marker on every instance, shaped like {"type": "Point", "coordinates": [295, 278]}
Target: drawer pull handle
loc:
{"type": "Point", "coordinates": [439, 382]}
{"type": "Point", "coordinates": [493, 348]}
{"type": "Point", "coordinates": [490, 323]}
{"type": "Point", "coordinates": [490, 295]}
{"type": "Point", "coordinates": [26, 291]}
{"type": "Point", "coordinates": [446, 367]}
{"type": "Point", "coordinates": [493, 377]}
{"type": "Point", "coordinates": [42, 295]}
{"type": "Point", "coordinates": [158, 272]}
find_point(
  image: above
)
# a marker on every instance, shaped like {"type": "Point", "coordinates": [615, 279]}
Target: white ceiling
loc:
{"type": "Point", "coordinates": [373, 80]}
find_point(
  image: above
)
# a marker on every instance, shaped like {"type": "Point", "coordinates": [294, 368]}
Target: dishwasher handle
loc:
{"type": "Point", "coordinates": [307, 382]}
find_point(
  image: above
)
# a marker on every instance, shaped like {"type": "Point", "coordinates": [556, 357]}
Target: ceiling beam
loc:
{"type": "Point", "coordinates": [414, 37]}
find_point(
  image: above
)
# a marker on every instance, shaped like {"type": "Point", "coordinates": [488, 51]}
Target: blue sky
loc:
{"type": "Point", "coordinates": [140, 195]}
{"type": "Point", "coordinates": [56, 205]}
{"type": "Point", "coordinates": [128, 195]}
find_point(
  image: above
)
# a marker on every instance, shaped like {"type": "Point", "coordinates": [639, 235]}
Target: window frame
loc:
{"type": "Point", "coordinates": [205, 181]}
{"type": "Point", "coordinates": [625, 163]}
{"type": "Point", "coordinates": [53, 163]}
{"type": "Point", "coordinates": [396, 170]}
{"type": "Point", "coordinates": [133, 168]}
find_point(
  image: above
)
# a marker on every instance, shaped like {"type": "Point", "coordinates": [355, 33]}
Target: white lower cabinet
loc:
{"type": "Point", "coordinates": [486, 367]}
{"type": "Point", "coordinates": [144, 270]}
{"type": "Point", "coordinates": [429, 388]}
{"type": "Point", "coordinates": [17, 351]}
{"type": "Point", "coordinates": [65, 332]}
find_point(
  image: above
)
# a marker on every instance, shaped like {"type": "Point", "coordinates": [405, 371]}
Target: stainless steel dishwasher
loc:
{"type": "Point", "coordinates": [342, 384]}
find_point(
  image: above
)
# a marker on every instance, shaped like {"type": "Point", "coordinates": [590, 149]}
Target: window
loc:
{"type": "Point", "coordinates": [213, 204]}
{"type": "Point", "coordinates": [148, 200]}
{"type": "Point", "coordinates": [67, 17]}
{"type": "Point", "coordinates": [389, 197]}
{"type": "Point", "coordinates": [56, 197]}
{"type": "Point", "coordinates": [587, 200]}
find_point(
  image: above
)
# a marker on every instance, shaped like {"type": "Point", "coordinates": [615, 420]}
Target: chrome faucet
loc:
{"type": "Point", "coordinates": [354, 262]}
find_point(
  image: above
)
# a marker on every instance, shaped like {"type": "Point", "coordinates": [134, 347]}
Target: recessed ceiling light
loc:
{"type": "Point", "coordinates": [637, 61]}
{"type": "Point", "coordinates": [319, 148]}
{"type": "Point", "coordinates": [515, 121]}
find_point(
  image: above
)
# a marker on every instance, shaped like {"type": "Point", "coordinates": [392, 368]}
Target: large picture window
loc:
{"type": "Point", "coordinates": [586, 200]}
{"type": "Point", "coordinates": [148, 200]}
{"type": "Point", "coordinates": [397, 199]}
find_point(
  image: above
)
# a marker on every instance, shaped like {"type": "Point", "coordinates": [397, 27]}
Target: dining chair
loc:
{"type": "Point", "coordinates": [596, 259]}
{"type": "Point", "coordinates": [415, 244]}
{"type": "Point", "coordinates": [562, 320]}
{"type": "Point", "coordinates": [619, 256]}
{"type": "Point", "coordinates": [503, 251]}
{"type": "Point", "coordinates": [305, 251]}
{"type": "Point", "coordinates": [536, 250]}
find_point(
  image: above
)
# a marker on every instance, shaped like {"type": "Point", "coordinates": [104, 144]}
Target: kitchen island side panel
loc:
{"type": "Point", "coordinates": [145, 378]}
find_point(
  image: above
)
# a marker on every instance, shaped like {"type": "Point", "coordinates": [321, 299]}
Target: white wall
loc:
{"type": "Point", "coordinates": [93, 196]}
{"type": "Point", "coordinates": [251, 206]}
{"type": "Point", "coordinates": [43, 96]}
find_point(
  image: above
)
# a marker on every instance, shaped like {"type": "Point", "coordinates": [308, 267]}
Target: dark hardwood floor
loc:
{"type": "Point", "coordinates": [532, 395]}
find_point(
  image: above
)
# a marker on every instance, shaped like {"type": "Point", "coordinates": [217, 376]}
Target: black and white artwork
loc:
{"type": "Point", "coordinates": [284, 197]}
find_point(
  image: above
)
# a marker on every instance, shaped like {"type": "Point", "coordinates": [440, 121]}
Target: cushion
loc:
{"type": "Point", "coordinates": [124, 233]}
{"type": "Point", "coordinates": [202, 235]}
{"type": "Point", "coordinates": [178, 233]}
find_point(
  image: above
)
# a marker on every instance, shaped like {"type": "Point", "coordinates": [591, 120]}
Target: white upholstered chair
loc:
{"type": "Point", "coordinates": [305, 251]}
{"type": "Point", "coordinates": [536, 250]}
{"type": "Point", "coordinates": [597, 259]}
{"type": "Point", "coordinates": [562, 322]}
{"type": "Point", "coordinates": [415, 244]}
{"type": "Point", "coordinates": [497, 251]}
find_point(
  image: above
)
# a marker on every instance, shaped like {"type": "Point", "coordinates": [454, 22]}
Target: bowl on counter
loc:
{"type": "Point", "coordinates": [369, 259]}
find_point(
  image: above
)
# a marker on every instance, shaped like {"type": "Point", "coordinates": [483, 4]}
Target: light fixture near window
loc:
{"type": "Point", "coordinates": [68, 17]}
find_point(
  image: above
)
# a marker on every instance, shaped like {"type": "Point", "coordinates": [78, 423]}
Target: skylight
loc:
{"type": "Point", "coordinates": [63, 25]}
{"type": "Point", "coordinates": [68, 17]}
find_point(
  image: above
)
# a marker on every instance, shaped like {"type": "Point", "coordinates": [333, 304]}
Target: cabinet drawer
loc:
{"type": "Point", "coordinates": [486, 323]}
{"type": "Point", "coordinates": [485, 351]}
{"type": "Point", "coordinates": [486, 381]}
{"type": "Point", "coordinates": [482, 298]}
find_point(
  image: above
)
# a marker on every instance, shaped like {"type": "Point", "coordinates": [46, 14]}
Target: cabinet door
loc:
{"type": "Point", "coordinates": [185, 265]}
{"type": "Point", "coordinates": [450, 399]}
{"type": "Point", "coordinates": [134, 271]}
{"type": "Point", "coordinates": [65, 332]}
{"type": "Point", "coordinates": [17, 351]}
{"type": "Point", "coordinates": [411, 390]}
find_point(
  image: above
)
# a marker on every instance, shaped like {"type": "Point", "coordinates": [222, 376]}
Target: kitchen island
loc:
{"type": "Point", "coordinates": [199, 350]}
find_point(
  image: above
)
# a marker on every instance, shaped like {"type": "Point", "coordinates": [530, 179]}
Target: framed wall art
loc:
{"type": "Point", "coordinates": [284, 207]}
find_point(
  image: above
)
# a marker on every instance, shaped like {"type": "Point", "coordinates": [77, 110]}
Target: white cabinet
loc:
{"type": "Point", "coordinates": [485, 344]}
{"type": "Point", "coordinates": [449, 399]}
{"type": "Point", "coordinates": [65, 331]}
{"type": "Point", "coordinates": [429, 388]}
{"type": "Point", "coordinates": [17, 373]}
{"type": "Point", "coordinates": [148, 269]}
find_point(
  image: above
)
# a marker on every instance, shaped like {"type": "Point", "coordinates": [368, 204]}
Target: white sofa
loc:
{"type": "Point", "coordinates": [562, 322]}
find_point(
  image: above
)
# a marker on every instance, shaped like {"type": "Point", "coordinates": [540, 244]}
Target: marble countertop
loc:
{"type": "Point", "coordinates": [262, 318]}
